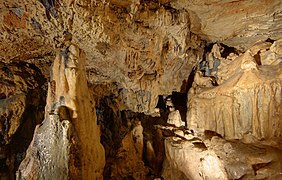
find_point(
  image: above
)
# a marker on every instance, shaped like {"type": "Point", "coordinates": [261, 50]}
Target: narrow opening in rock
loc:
{"type": "Point", "coordinates": [258, 166]}
{"type": "Point", "coordinates": [161, 103]}
{"type": "Point", "coordinates": [270, 40]}
{"type": "Point", "coordinates": [227, 50]}
{"type": "Point", "coordinates": [2, 96]}
{"type": "Point", "coordinates": [187, 84]}
{"type": "Point", "coordinates": [179, 100]}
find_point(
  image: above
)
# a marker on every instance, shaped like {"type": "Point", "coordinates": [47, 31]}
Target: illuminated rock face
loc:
{"type": "Point", "coordinates": [67, 143]}
{"type": "Point", "coordinates": [235, 23]}
{"type": "Point", "coordinates": [216, 158]}
{"type": "Point", "coordinates": [147, 48]}
{"type": "Point", "coordinates": [135, 52]}
{"type": "Point", "coordinates": [247, 101]}
{"type": "Point", "coordinates": [244, 107]}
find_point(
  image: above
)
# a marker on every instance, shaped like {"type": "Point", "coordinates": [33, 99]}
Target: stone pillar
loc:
{"type": "Point", "coordinates": [67, 144]}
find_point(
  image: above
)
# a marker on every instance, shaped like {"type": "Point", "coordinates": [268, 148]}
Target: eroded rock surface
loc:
{"type": "Point", "coordinates": [208, 156]}
{"type": "Point", "coordinates": [128, 161]}
{"type": "Point", "coordinates": [235, 23]}
{"type": "Point", "coordinates": [144, 47]}
{"type": "Point", "coordinates": [67, 143]}
{"type": "Point", "coordinates": [147, 47]}
{"type": "Point", "coordinates": [21, 108]}
{"type": "Point", "coordinates": [247, 99]}
{"type": "Point", "coordinates": [136, 53]}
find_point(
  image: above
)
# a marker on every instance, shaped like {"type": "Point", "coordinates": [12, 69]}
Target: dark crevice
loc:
{"type": "Point", "coordinates": [270, 40]}
{"type": "Point", "coordinates": [50, 6]}
{"type": "Point", "coordinates": [186, 85]}
{"type": "Point", "coordinates": [2, 96]}
{"type": "Point", "coordinates": [209, 134]}
{"type": "Point", "coordinates": [161, 103]}
{"type": "Point", "coordinates": [257, 58]}
{"type": "Point", "coordinates": [116, 124]}
{"type": "Point", "coordinates": [227, 50]}
{"type": "Point", "coordinates": [14, 148]}
{"type": "Point", "coordinates": [258, 166]}
{"type": "Point", "coordinates": [180, 100]}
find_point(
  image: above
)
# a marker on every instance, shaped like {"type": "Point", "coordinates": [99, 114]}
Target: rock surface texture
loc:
{"type": "Point", "coordinates": [247, 99]}
{"type": "Point", "coordinates": [235, 23]}
{"type": "Point", "coordinates": [211, 157]}
{"type": "Point", "coordinates": [21, 108]}
{"type": "Point", "coordinates": [117, 66]}
{"type": "Point", "coordinates": [67, 143]}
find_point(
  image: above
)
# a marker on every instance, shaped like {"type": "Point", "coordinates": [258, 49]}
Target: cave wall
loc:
{"type": "Point", "coordinates": [23, 94]}
{"type": "Point", "coordinates": [135, 51]}
{"type": "Point", "coordinates": [147, 47]}
{"type": "Point", "coordinates": [144, 47]}
{"type": "Point", "coordinates": [247, 99]}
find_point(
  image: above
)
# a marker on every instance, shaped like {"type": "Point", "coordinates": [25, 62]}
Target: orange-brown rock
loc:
{"type": "Point", "coordinates": [70, 127]}
{"type": "Point", "coordinates": [216, 158]}
{"type": "Point", "coordinates": [128, 162]}
{"type": "Point", "coordinates": [134, 53]}
{"type": "Point", "coordinates": [247, 101]}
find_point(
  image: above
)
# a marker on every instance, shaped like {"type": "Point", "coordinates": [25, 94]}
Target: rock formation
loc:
{"type": "Point", "coordinates": [22, 107]}
{"type": "Point", "coordinates": [117, 67]}
{"type": "Point", "coordinates": [216, 158]}
{"type": "Point", "coordinates": [246, 101]}
{"type": "Point", "coordinates": [67, 143]}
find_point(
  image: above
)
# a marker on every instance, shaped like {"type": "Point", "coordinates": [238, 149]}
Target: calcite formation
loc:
{"type": "Point", "coordinates": [120, 61]}
{"type": "Point", "coordinates": [234, 23]}
{"type": "Point", "coordinates": [145, 52]}
{"type": "Point", "coordinates": [67, 143]}
{"type": "Point", "coordinates": [128, 163]}
{"type": "Point", "coordinates": [247, 99]}
{"type": "Point", "coordinates": [211, 157]}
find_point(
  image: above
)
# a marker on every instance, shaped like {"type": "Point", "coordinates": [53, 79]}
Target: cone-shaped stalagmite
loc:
{"type": "Point", "coordinates": [67, 144]}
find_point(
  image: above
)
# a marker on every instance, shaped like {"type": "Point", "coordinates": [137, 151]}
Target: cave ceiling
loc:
{"type": "Point", "coordinates": [147, 47]}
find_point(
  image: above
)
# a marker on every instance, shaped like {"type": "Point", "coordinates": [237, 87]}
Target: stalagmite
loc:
{"type": "Point", "coordinates": [174, 118]}
{"type": "Point", "coordinates": [137, 133]}
{"type": "Point", "coordinates": [67, 143]}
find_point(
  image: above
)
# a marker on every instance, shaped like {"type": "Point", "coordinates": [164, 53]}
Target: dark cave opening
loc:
{"type": "Point", "coordinates": [117, 124]}
{"type": "Point", "coordinates": [161, 103]}
{"type": "Point", "coordinates": [227, 50]}
{"type": "Point", "coordinates": [13, 148]}
{"type": "Point", "coordinates": [180, 100]}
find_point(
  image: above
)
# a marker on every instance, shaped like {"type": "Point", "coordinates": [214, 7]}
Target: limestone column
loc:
{"type": "Point", "coordinates": [67, 144]}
